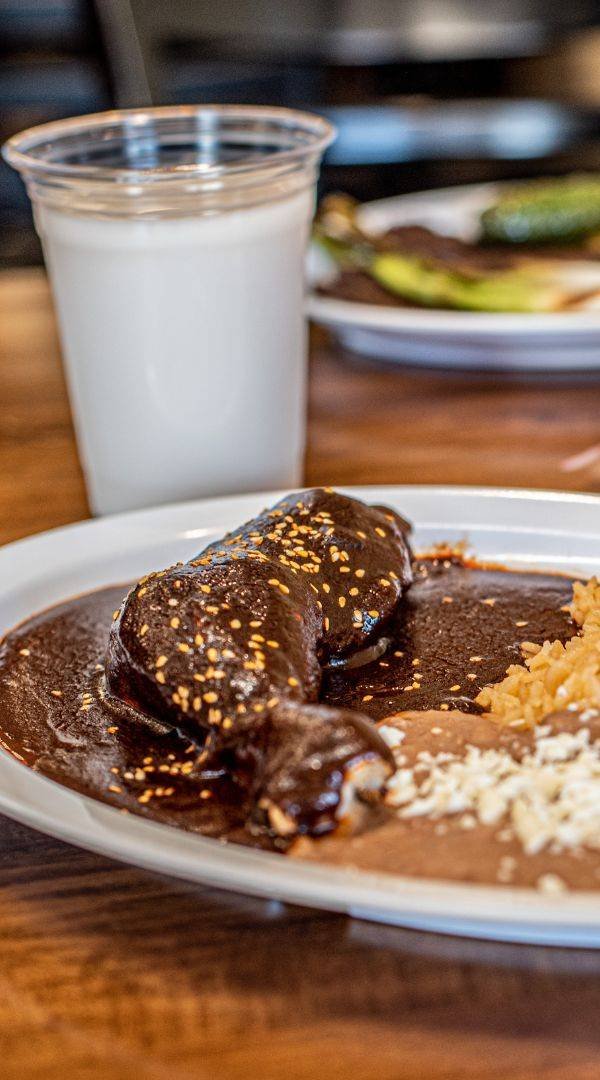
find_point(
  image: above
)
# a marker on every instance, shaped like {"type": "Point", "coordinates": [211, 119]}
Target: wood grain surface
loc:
{"type": "Point", "coordinates": [111, 972]}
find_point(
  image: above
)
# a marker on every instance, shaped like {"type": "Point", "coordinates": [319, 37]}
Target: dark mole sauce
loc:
{"type": "Point", "coordinates": [458, 628]}
{"type": "Point", "coordinates": [54, 717]}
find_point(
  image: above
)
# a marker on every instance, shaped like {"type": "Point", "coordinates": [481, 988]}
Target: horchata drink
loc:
{"type": "Point", "coordinates": [175, 242]}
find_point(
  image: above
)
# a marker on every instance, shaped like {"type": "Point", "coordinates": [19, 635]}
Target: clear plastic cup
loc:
{"type": "Point", "coordinates": [175, 241]}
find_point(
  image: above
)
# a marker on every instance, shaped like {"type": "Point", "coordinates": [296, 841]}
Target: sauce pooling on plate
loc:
{"type": "Point", "coordinates": [457, 628]}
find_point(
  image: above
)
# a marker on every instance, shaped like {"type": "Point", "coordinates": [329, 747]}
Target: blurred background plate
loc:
{"type": "Point", "coordinates": [568, 341]}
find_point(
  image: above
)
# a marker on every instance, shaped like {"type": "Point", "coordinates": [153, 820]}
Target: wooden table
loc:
{"type": "Point", "coordinates": [110, 972]}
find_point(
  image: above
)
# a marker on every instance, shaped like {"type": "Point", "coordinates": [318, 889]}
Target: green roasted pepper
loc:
{"type": "Point", "coordinates": [413, 279]}
{"type": "Point", "coordinates": [557, 211]}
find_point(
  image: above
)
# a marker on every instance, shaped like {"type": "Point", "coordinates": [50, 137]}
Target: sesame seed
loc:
{"type": "Point", "coordinates": [368, 697]}
{"type": "Point", "coordinates": [373, 614]}
{"type": "Point", "coordinates": [144, 629]}
{"type": "Point", "coordinates": [447, 600]}
{"type": "Point", "coordinates": [160, 677]}
{"type": "Point", "coordinates": [292, 681]}
{"type": "Point", "coordinates": [273, 581]}
{"type": "Point", "coordinates": [522, 622]}
{"type": "Point", "coordinates": [198, 640]}
{"type": "Point", "coordinates": [56, 693]}
{"type": "Point", "coordinates": [24, 652]}
{"type": "Point", "coordinates": [183, 647]}
{"type": "Point", "coordinates": [175, 622]}
{"type": "Point", "coordinates": [235, 624]}
{"type": "Point", "coordinates": [342, 601]}
{"type": "Point", "coordinates": [161, 661]}
{"type": "Point", "coordinates": [210, 697]}
{"type": "Point", "coordinates": [112, 730]}
{"type": "Point", "coordinates": [326, 587]}
{"type": "Point", "coordinates": [475, 659]}
{"type": "Point", "coordinates": [490, 601]}
{"type": "Point", "coordinates": [379, 531]}
{"type": "Point", "coordinates": [455, 687]}
{"type": "Point", "coordinates": [205, 588]}
{"type": "Point", "coordinates": [172, 602]}
{"type": "Point", "coordinates": [359, 573]}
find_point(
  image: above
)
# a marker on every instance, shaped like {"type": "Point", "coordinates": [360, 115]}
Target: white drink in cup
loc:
{"type": "Point", "coordinates": [175, 241]}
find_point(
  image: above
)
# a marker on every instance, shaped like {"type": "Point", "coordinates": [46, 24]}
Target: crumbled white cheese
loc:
{"type": "Point", "coordinates": [551, 797]}
{"type": "Point", "coordinates": [506, 869]}
{"type": "Point", "coordinates": [392, 736]}
{"type": "Point", "coordinates": [551, 884]}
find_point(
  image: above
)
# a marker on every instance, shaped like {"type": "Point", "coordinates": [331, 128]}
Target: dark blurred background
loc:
{"type": "Point", "coordinates": [424, 92]}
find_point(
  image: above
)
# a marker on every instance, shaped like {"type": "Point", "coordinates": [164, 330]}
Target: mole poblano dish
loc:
{"type": "Point", "coordinates": [310, 685]}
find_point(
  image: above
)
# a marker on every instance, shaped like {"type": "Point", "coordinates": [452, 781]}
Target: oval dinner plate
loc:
{"type": "Point", "coordinates": [561, 341]}
{"type": "Point", "coordinates": [519, 528]}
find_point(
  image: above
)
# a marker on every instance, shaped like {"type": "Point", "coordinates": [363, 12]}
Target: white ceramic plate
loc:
{"type": "Point", "coordinates": [520, 528]}
{"type": "Point", "coordinates": [452, 339]}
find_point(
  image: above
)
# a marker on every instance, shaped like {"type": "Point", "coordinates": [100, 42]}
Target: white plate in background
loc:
{"type": "Point", "coordinates": [519, 528]}
{"type": "Point", "coordinates": [560, 341]}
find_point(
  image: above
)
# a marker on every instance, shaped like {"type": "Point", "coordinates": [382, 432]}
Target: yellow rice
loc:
{"type": "Point", "coordinates": [553, 676]}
